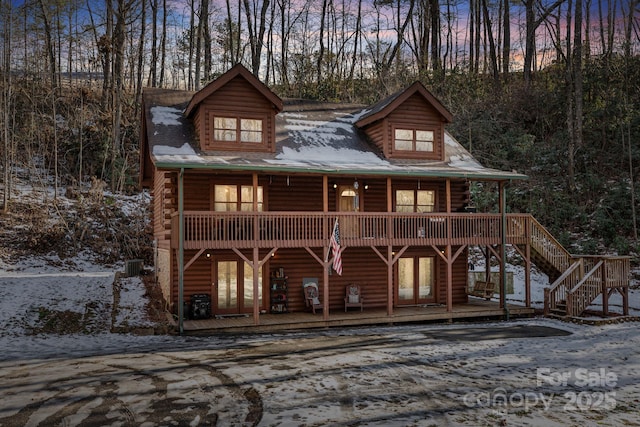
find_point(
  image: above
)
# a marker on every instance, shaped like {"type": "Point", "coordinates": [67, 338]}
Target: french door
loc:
{"type": "Point", "coordinates": [233, 287]}
{"type": "Point", "coordinates": [416, 280]}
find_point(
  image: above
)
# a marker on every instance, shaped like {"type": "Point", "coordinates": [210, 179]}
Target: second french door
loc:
{"type": "Point", "coordinates": [416, 281]}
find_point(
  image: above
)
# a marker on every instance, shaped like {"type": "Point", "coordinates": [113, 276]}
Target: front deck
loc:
{"type": "Point", "coordinates": [225, 230]}
{"type": "Point", "coordinates": [475, 309]}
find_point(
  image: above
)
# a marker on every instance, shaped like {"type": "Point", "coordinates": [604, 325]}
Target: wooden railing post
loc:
{"type": "Point", "coordinates": [605, 291]}
{"type": "Point", "coordinates": [547, 302]}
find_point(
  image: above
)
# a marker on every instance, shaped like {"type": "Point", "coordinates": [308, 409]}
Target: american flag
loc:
{"type": "Point", "coordinates": [335, 248]}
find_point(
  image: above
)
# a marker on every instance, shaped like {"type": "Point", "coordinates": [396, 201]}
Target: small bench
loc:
{"type": "Point", "coordinates": [483, 289]}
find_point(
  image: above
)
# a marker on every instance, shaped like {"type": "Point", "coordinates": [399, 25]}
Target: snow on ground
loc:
{"type": "Point", "coordinates": [539, 281]}
{"type": "Point", "coordinates": [375, 376]}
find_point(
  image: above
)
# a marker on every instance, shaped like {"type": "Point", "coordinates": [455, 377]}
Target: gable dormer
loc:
{"type": "Point", "coordinates": [235, 112]}
{"type": "Point", "coordinates": [408, 125]}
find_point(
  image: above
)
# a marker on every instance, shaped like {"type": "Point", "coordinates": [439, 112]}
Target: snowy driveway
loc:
{"type": "Point", "coordinates": [407, 375]}
{"type": "Point", "coordinates": [61, 365]}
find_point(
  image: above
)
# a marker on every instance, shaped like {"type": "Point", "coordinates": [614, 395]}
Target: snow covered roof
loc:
{"type": "Point", "coordinates": [311, 137]}
{"type": "Point", "coordinates": [383, 107]}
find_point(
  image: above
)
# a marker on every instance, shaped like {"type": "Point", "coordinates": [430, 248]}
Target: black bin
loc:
{"type": "Point", "coordinates": [200, 306]}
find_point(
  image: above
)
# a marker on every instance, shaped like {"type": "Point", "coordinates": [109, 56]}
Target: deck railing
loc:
{"type": "Point", "coordinates": [586, 279]}
{"type": "Point", "coordinates": [556, 294]}
{"type": "Point", "coordinates": [224, 230]}
{"type": "Point", "coordinates": [217, 230]}
{"type": "Point", "coordinates": [605, 273]}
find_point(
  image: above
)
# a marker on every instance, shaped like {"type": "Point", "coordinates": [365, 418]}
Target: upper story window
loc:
{"type": "Point", "coordinates": [415, 201]}
{"type": "Point", "coordinates": [413, 140]}
{"type": "Point", "coordinates": [237, 130]}
{"type": "Point", "coordinates": [236, 198]}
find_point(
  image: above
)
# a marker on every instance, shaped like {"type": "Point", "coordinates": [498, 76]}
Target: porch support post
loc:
{"type": "Point", "coordinates": [503, 252]}
{"type": "Point", "coordinates": [181, 252]}
{"type": "Point", "coordinates": [605, 291]}
{"type": "Point", "coordinates": [325, 286]}
{"type": "Point", "coordinates": [390, 280]}
{"type": "Point", "coordinates": [326, 265]}
{"type": "Point", "coordinates": [256, 282]}
{"type": "Point", "coordinates": [256, 264]}
{"type": "Point", "coordinates": [526, 255]}
{"type": "Point", "coordinates": [448, 259]}
{"type": "Point", "coordinates": [527, 276]}
{"type": "Point", "coordinates": [390, 260]}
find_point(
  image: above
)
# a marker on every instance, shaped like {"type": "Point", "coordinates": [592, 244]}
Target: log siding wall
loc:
{"type": "Point", "coordinates": [304, 193]}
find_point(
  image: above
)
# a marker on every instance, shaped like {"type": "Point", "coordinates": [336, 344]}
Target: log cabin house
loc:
{"type": "Point", "coordinates": [247, 190]}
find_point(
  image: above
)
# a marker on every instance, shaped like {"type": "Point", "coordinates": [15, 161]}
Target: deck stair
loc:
{"type": "Point", "coordinates": [576, 280]}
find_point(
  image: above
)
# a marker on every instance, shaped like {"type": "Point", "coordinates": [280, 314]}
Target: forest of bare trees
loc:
{"type": "Point", "coordinates": [548, 87]}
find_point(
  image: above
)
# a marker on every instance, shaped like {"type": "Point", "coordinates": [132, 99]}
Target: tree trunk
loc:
{"type": "Point", "coordinates": [506, 42]}
{"type": "Point", "coordinates": [571, 143]}
{"type": "Point", "coordinates": [434, 12]}
{"type": "Point", "coordinates": [163, 42]}
{"type": "Point", "coordinates": [256, 32]}
{"type": "Point", "coordinates": [6, 106]}
{"type": "Point", "coordinates": [531, 25]}
{"type": "Point", "coordinates": [153, 68]}
{"type": "Point", "coordinates": [118, 71]}
{"type": "Point", "coordinates": [321, 49]}
{"type": "Point", "coordinates": [492, 46]}
{"type": "Point", "coordinates": [140, 67]}
{"type": "Point", "coordinates": [49, 44]}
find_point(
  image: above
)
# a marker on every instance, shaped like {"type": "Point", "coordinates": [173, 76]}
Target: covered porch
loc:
{"type": "Point", "coordinates": [475, 309]}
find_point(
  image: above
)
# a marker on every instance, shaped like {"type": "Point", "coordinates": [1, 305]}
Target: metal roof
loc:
{"type": "Point", "coordinates": [311, 137]}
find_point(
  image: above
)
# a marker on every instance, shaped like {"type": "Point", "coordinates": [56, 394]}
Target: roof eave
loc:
{"type": "Point", "coordinates": [488, 176]}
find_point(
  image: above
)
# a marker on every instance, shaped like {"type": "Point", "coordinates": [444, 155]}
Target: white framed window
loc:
{"type": "Point", "coordinates": [228, 198]}
{"type": "Point", "coordinates": [238, 130]}
{"type": "Point", "coordinates": [413, 140]}
{"type": "Point", "coordinates": [415, 201]}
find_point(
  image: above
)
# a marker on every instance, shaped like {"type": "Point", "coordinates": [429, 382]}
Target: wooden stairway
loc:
{"type": "Point", "coordinates": [576, 281]}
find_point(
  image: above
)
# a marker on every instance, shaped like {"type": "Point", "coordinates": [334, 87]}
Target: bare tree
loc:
{"type": "Point", "coordinates": [506, 38]}
{"type": "Point", "coordinates": [533, 21]}
{"type": "Point", "coordinates": [7, 14]}
{"type": "Point", "coordinates": [492, 45]}
{"type": "Point", "coordinates": [256, 27]}
{"type": "Point", "coordinates": [49, 43]}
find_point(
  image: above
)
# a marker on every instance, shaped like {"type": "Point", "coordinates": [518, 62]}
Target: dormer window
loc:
{"type": "Point", "coordinates": [237, 130]}
{"type": "Point", "coordinates": [413, 140]}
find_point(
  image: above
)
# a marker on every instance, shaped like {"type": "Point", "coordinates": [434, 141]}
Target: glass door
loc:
{"type": "Point", "coordinates": [227, 287]}
{"type": "Point", "coordinates": [415, 280]}
{"type": "Point", "coordinates": [234, 287]}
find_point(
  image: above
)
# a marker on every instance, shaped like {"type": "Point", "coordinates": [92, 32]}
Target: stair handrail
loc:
{"type": "Point", "coordinates": [581, 296]}
{"type": "Point", "coordinates": [558, 289]}
{"type": "Point", "coordinates": [561, 264]}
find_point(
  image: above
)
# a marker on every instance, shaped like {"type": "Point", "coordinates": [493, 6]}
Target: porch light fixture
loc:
{"type": "Point", "coordinates": [335, 185]}
{"type": "Point", "coordinates": [366, 186]}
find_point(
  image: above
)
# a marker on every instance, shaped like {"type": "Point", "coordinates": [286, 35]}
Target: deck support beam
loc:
{"type": "Point", "coordinates": [390, 260]}
{"type": "Point", "coordinates": [449, 259]}
{"type": "Point", "coordinates": [526, 255]}
{"type": "Point", "coordinates": [255, 264]}
{"type": "Point", "coordinates": [181, 252]}
{"type": "Point", "coordinates": [326, 265]}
